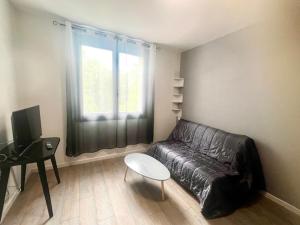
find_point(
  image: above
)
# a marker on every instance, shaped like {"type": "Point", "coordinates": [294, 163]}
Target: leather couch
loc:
{"type": "Point", "coordinates": [221, 169]}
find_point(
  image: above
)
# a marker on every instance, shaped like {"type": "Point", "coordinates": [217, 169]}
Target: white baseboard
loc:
{"type": "Point", "coordinates": [94, 159]}
{"type": "Point", "coordinates": [279, 201]}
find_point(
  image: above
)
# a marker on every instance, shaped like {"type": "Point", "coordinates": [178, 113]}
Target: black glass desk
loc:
{"type": "Point", "coordinates": [38, 153]}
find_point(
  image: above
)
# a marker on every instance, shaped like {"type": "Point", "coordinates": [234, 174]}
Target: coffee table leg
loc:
{"type": "Point", "coordinates": [125, 173]}
{"type": "Point", "coordinates": [162, 190]}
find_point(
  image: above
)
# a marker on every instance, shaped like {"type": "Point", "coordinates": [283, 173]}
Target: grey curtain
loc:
{"type": "Point", "coordinates": [121, 127]}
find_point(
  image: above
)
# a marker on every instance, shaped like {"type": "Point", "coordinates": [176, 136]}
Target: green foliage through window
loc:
{"type": "Point", "coordinates": [98, 82]}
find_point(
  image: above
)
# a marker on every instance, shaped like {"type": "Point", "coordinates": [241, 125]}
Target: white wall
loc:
{"type": "Point", "coordinates": [7, 78]}
{"type": "Point", "coordinates": [167, 65]}
{"type": "Point", "coordinates": [7, 85]}
{"type": "Point", "coordinates": [248, 82]}
{"type": "Point", "coordinates": [41, 74]}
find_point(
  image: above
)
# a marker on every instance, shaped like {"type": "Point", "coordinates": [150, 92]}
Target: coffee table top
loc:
{"type": "Point", "coordinates": [147, 166]}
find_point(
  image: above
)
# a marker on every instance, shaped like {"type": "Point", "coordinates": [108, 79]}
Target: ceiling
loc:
{"type": "Point", "coordinates": [183, 24]}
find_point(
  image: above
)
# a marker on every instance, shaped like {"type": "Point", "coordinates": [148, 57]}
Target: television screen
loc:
{"type": "Point", "coordinates": [26, 125]}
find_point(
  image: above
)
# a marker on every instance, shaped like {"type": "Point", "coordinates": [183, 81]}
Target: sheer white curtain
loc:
{"type": "Point", "coordinates": [109, 90]}
{"type": "Point", "coordinates": [136, 63]}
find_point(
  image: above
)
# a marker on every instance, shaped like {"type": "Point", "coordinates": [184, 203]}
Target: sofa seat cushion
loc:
{"type": "Point", "coordinates": [166, 151]}
{"type": "Point", "coordinates": [196, 172]}
{"type": "Point", "coordinates": [202, 166]}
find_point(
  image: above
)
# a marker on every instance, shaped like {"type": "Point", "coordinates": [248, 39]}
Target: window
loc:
{"type": "Point", "coordinates": [97, 80]}
{"type": "Point", "coordinates": [131, 70]}
{"type": "Point", "coordinates": [109, 90]}
{"type": "Point", "coordinates": [112, 78]}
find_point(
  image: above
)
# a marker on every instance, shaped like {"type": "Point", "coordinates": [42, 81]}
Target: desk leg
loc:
{"type": "Point", "coordinates": [55, 168]}
{"type": "Point", "coordinates": [3, 186]}
{"type": "Point", "coordinates": [23, 175]}
{"type": "Point", "coordinates": [43, 177]}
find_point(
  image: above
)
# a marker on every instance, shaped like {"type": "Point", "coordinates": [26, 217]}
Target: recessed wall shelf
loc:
{"type": "Point", "coordinates": [178, 84]}
{"type": "Point", "coordinates": [178, 95]}
{"type": "Point", "coordinates": [177, 101]}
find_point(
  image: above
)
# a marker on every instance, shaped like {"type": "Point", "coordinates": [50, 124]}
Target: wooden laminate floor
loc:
{"type": "Point", "coordinates": [95, 193]}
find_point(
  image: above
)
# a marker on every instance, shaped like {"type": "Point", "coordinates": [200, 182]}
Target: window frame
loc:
{"type": "Point", "coordinates": [117, 46]}
{"type": "Point", "coordinates": [95, 41]}
{"type": "Point", "coordinates": [132, 48]}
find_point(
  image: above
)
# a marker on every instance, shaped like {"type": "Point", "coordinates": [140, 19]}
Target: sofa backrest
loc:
{"type": "Point", "coordinates": [213, 142]}
{"type": "Point", "coordinates": [184, 132]}
{"type": "Point", "coordinates": [238, 152]}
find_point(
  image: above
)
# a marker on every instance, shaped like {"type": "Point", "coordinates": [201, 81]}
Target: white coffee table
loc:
{"type": "Point", "coordinates": [149, 167]}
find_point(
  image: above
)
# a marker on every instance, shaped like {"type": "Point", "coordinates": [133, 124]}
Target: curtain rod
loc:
{"type": "Point", "coordinates": [100, 31]}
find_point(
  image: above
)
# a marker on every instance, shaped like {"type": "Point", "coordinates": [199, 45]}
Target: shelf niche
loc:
{"type": "Point", "coordinates": [177, 99]}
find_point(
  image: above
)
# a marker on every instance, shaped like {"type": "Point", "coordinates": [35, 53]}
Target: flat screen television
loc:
{"type": "Point", "coordinates": [26, 126]}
